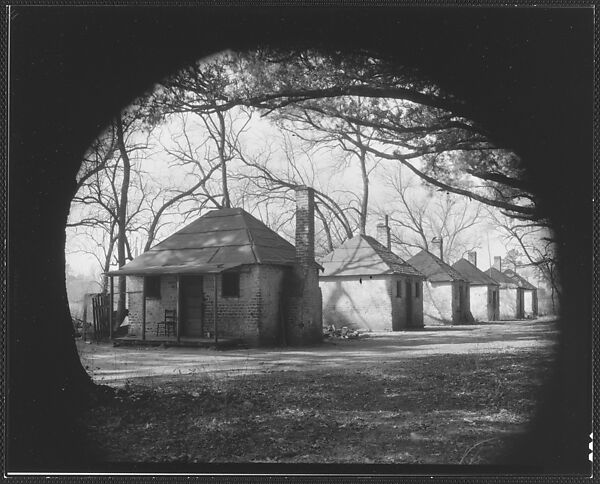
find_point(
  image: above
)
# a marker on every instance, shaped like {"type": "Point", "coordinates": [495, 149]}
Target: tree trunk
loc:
{"type": "Point", "coordinates": [47, 381]}
{"type": "Point", "coordinates": [122, 222]}
{"type": "Point", "coordinates": [106, 267]}
{"type": "Point", "coordinates": [223, 160]}
{"type": "Point", "coordinates": [326, 227]}
{"type": "Point", "coordinates": [364, 206]}
{"type": "Point", "coordinates": [107, 259]}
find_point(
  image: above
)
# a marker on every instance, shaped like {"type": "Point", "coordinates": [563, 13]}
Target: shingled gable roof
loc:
{"type": "Point", "coordinates": [434, 268]}
{"type": "Point", "coordinates": [501, 278]}
{"type": "Point", "coordinates": [475, 276]}
{"type": "Point", "coordinates": [217, 241]}
{"type": "Point", "coordinates": [362, 256]}
{"type": "Point", "coordinates": [520, 280]}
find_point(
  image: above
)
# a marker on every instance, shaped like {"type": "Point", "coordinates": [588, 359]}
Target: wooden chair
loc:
{"type": "Point", "coordinates": [168, 324]}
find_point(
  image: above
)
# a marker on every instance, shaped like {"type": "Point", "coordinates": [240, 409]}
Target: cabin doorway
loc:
{"type": "Point", "coordinates": [192, 320]}
{"type": "Point", "coordinates": [520, 304]}
{"type": "Point", "coordinates": [409, 304]}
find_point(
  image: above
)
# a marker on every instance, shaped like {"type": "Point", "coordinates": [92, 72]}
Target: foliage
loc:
{"type": "Point", "coordinates": [342, 113]}
{"type": "Point", "coordinates": [409, 116]}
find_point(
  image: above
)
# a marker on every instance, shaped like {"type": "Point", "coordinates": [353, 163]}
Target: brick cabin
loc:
{"type": "Point", "coordinates": [511, 292]}
{"type": "Point", "coordinates": [484, 297]}
{"type": "Point", "coordinates": [227, 275]}
{"type": "Point", "coordinates": [366, 286]}
{"type": "Point", "coordinates": [530, 296]}
{"type": "Point", "coordinates": [445, 292]}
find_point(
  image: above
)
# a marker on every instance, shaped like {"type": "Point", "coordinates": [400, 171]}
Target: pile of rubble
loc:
{"type": "Point", "coordinates": [344, 332]}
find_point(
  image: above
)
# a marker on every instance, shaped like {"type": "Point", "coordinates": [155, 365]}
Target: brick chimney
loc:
{"type": "Point", "coordinates": [305, 226]}
{"type": "Point", "coordinates": [498, 263]}
{"type": "Point", "coordinates": [437, 244]}
{"type": "Point", "coordinates": [383, 233]}
{"type": "Point", "coordinates": [303, 304]}
{"type": "Point", "coordinates": [472, 257]}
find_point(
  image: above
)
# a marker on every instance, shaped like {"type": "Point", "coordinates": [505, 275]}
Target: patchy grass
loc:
{"type": "Point", "coordinates": [440, 409]}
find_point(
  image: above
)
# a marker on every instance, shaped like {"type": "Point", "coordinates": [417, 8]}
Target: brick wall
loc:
{"type": "Point", "coordinates": [271, 317]}
{"type": "Point", "coordinates": [480, 302]}
{"type": "Point", "coordinates": [508, 303]}
{"type": "Point", "coordinates": [494, 314]}
{"type": "Point", "coordinates": [437, 303]}
{"type": "Point", "coordinates": [303, 306]}
{"type": "Point", "coordinates": [370, 302]}
{"type": "Point", "coordinates": [302, 295]}
{"type": "Point", "coordinates": [254, 316]}
{"type": "Point", "coordinates": [400, 304]}
{"type": "Point", "coordinates": [305, 226]}
{"type": "Point", "coordinates": [237, 317]}
{"type": "Point", "coordinates": [383, 233]}
{"type": "Point", "coordinates": [358, 305]}
{"type": "Point", "coordinates": [528, 304]}
{"type": "Point", "coordinates": [461, 311]}
{"type": "Point", "coordinates": [155, 308]}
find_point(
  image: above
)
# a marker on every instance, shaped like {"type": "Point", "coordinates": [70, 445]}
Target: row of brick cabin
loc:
{"type": "Point", "coordinates": [228, 275]}
{"type": "Point", "coordinates": [518, 297]}
{"type": "Point", "coordinates": [366, 286]}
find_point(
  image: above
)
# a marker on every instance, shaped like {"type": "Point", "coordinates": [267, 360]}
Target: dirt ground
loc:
{"type": "Point", "coordinates": [448, 395]}
{"type": "Point", "coordinates": [116, 366]}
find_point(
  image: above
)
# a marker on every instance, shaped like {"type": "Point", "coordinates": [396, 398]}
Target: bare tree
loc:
{"type": "Point", "coordinates": [411, 117]}
{"type": "Point", "coordinates": [335, 133]}
{"type": "Point", "coordinates": [104, 200]}
{"type": "Point", "coordinates": [270, 184]}
{"type": "Point", "coordinates": [117, 199]}
{"type": "Point", "coordinates": [418, 214]}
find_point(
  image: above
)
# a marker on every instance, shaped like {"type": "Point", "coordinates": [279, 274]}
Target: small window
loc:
{"type": "Point", "coordinates": [230, 284]}
{"type": "Point", "coordinates": [417, 290]}
{"type": "Point", "coordinates": [398, 288]}
{"type": "Point", "coordinates": [152, 284]}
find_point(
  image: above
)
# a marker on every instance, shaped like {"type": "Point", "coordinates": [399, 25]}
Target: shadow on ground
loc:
{"type": "Point", "coordinates": [118, 365]}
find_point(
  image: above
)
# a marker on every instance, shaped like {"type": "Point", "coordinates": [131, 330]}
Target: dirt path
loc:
{"type": "Point", "coordinates": [118, 365]}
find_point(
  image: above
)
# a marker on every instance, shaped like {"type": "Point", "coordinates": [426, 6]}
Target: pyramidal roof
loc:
{"type": "Point", "coordinates": [472, 273]}
{"type": "Point", "coordinates": [363, 255]}
{"type": "Point", "coordinates": [434, 268]}
{"type": "Point", "coordinates": [501, 278]}
{"type": "Point", "coordinates": [520, 280]}
{"type": "Point", "coordinates": [218, 240]}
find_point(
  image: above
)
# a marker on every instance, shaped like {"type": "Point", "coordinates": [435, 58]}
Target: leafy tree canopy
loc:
{"type": "Point", "coordinates": [410, 120]}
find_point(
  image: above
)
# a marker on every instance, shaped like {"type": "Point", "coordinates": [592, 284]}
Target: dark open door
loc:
{"type": "Point", "coordinates": [409, 303]}
{"type": "Point", "coordinates": [192, 323]}
{"type": "Point", "coordinates": [520, 303]}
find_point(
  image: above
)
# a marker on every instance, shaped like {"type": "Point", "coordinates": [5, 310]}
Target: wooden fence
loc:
{"type": "Point", "coordinates": [101, 313]}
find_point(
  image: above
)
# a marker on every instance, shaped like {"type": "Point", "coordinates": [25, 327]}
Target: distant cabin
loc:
{"type": "Point", "coordinates": [366, 286]}
{"type": "Point", "coordinates": [530, 296]}
{"type": "Point", "coordinates": [445, 292]}
{"type": "Point", "coordinates": [228, 274]}
{"type": "Point", "coordinates": [512, 295]}
{"type": "Point", "coordinates": [484, 296]}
